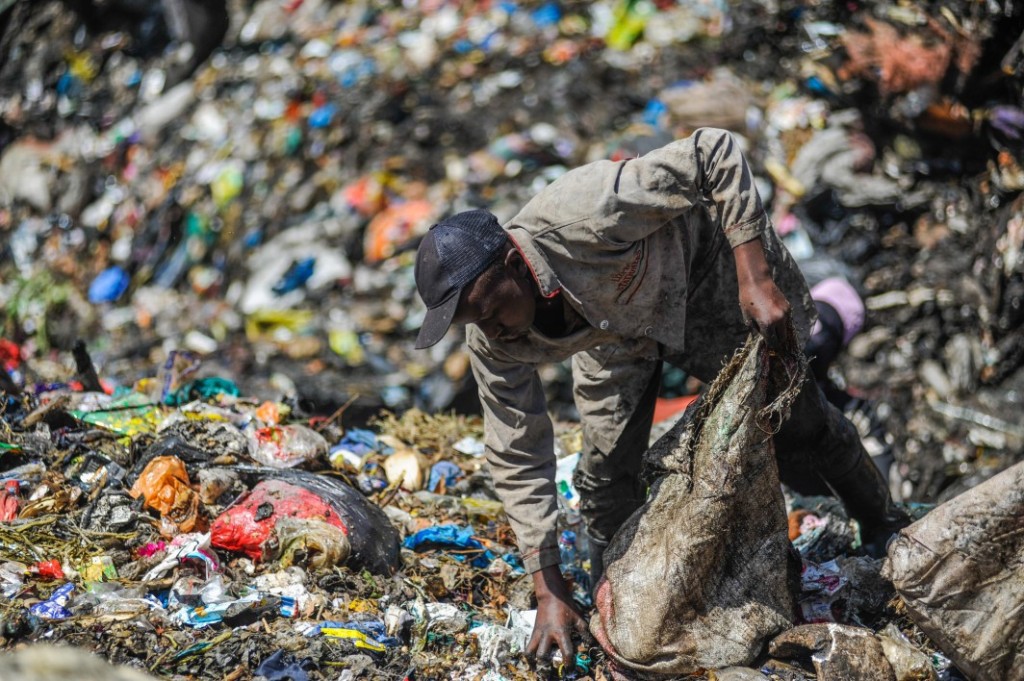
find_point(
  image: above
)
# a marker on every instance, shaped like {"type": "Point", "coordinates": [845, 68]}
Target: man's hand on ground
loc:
{"type": "Point", "coordinates": [557, 616]}
{"type": "Point", "coordinates": [764, 306]}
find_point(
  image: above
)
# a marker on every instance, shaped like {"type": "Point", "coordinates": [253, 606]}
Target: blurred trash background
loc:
{"type": "Point", "coordinates": [221, 456]}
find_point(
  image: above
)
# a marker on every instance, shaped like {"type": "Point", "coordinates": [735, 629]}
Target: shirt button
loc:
{"type": "Point", "coordinates": [604, 324]}
{"type": "Point", "coordinates": [649, 330]}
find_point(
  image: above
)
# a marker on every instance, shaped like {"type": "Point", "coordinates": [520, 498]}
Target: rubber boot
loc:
{"type": "Point", "coordinates": [596, 563]}
{"type": "Point", "coordinates": [865, 493]}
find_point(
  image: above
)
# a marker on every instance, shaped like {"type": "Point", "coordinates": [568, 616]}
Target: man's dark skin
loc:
{"type": "Point", "coordinates": [505, 302]}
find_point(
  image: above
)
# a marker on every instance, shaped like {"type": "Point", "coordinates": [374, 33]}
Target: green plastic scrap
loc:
{"type": "Point", "coordinates": [128, 415]}
{"type": "Point", "coordinates": [204, 389]}
{"type": "Point", "coordinates": [199, 648]}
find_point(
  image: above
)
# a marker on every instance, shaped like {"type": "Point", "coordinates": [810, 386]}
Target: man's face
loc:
{"type": "Point", "coordinates": [501, 302]}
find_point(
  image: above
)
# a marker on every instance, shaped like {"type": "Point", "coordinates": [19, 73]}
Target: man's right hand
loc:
{"type": "Point", "coordinates": [557, 617]}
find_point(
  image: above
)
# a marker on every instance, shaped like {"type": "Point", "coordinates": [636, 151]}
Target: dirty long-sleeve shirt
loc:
{"type": "Point", "coordinates": [620, 240]}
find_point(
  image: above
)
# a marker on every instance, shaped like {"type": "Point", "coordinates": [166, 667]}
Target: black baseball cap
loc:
{"type": "Point", "coordinates": [453, 253]}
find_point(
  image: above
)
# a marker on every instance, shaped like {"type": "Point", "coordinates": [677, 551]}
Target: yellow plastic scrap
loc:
{"type": "Point", "coordinates": [416, 370]}
{"type": "Point", "coordinates": [785, 179]}
{"type": "Point", "coordinates": [193, 415]}
{"type": "Point", "coordinates": [631, 17]}
{"type": "Point", "coordinates": [345, 344]}
{"type": "Point", "coordinates": [363, 605]}
{"type": "Point", "coordinates": [81, 65]}
{"type": "Point", "coordinates": [228, 184]}
{"type": "Point", "coordinates": [572, 441]}
{"type": "Point", "coordinates": [99, 569]}
{"type": "Point", "coordinates": [277, 325]}
{"type": "Point", "coordinates": [484, 508]}
{"type": "Point", "coordinates": [358, 638]}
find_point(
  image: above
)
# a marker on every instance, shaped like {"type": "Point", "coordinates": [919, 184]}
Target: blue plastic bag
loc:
{"type": "Point", "coordinates": [443, 470]}
{"type": "Point", "coordinates": [450, 537]}
{"type": "Point", "coordinates": [108, 285]}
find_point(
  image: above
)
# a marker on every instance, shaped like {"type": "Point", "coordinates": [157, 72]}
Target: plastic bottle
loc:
{"type": "Point", "coordinates": [567, 548]}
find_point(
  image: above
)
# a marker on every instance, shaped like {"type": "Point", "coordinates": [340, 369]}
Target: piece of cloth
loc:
{"type": "Point", "coordinates": [282, 666]}
{"type": "Point", "coordinates": [642, 249]}
{"type": "Point", "coordinates": [831, 159]}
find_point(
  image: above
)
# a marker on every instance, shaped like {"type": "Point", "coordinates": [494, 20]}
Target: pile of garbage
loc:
{"type": "Point", "coordinates": [222, 534]}
{"type": "Point", "coordinates": [279, 192]}
{"type": "Point", "coordinates": [206, 278]}
{"type": "Point", "coordinates": [184, 529]}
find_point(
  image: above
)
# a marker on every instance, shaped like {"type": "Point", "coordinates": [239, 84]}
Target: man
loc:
{"type": "Point", "coordinates": [620, 265]}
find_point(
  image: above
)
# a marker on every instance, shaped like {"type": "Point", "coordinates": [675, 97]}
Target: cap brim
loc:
{"type": "Point", "coordinates": [437, 322]}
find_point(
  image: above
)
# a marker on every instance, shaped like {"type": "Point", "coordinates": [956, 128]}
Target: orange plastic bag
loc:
{"type": "Point", "coordinates": [166, 488]}
{"type": "Point", "coordinates": [394, 226]}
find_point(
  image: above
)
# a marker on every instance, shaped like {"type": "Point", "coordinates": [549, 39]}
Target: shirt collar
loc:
{"type": "Point", "coordinates": [547, 280]}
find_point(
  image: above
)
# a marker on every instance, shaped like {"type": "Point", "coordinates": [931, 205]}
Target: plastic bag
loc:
{"type": "Point", "coordinates": [460, 540]}
{"type": "Point", "coordinates": [130, 415]}
{"type": "Point", "coordinates": [907, 662]}
{"type": "Point", "coordinates": [393, 226]}
{"type": "Point", "coordinates": [373, 540]}
{"type": "Point", "coordinates": [703, 574]}
{"type": "Point", "coordinates": [54, 607]}
{"type": "Point", "coordinates": [192, 548]}
{"type": "Point", "coordinates": [959, 571]}
{"type": "Point", "coordinates": [311, 542]}
{"type": "Point", "coordinates": [287, 446]}
{"type": "Point", "coordinates": [248, 525]}
{"type": "Point", "coordinates": [165, 486]}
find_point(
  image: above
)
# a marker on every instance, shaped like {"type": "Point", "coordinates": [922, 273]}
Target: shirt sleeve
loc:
{"type": "Point", "coordinates": [519, 442]}
{"type": "Point", "coordinates": [706, 168]}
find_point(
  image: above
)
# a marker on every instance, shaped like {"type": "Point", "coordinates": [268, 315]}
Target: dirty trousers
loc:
{"type": "Point", "coordinates": [815, 446]}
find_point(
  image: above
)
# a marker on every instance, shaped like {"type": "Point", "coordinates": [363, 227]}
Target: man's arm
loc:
{"type": "Point", "coordinates": [706, 168]}
{"type": "Point", "coordinates": [764, 305]}
{"type": "Point", "coordinates": [519, 441]}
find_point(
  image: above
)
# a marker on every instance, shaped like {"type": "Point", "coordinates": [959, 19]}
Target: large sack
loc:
{"type": "Point", "coordinates": [960, 570]}
{"type": "Point", "coordinates": [702, 575]}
